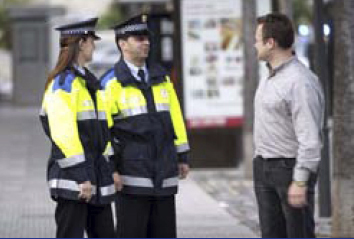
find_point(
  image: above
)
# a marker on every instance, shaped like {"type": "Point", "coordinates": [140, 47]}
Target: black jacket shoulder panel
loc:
{"type": "Point", "coordinates": [123, 73]}
{"type": "Point", "coordinates": [157, 73]}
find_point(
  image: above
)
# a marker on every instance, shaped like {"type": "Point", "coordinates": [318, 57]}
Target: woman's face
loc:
{"type": "Point", "coordinates": [86, 49]}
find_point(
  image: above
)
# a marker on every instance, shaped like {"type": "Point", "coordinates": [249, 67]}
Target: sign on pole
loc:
{"type": "Point", "coordinates": [212, 62]}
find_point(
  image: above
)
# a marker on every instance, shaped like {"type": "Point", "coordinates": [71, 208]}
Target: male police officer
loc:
{"type": "Point", "coordinates": [148, 134]}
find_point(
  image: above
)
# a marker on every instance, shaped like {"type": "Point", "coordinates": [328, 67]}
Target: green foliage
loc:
{"type": "Point", "coordinates": [5, 35]}
{"type": "Point", "coordinates": [113, 16]}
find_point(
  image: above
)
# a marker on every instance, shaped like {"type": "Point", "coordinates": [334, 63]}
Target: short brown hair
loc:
{"type": "Point", "coordinates": [279, 27]}
{"type": "Point", "coordinates": [124, 38]}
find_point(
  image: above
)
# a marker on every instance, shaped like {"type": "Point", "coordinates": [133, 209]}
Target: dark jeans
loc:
{"type": "Point", "coordinates": [272, 178]}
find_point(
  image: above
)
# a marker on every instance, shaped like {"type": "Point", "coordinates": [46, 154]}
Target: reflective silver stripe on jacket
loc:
{"type": "Point", "coordinates": [135, 111]}
{"type": "Point", "coordinates": [42, 112]}
{"type": "Point", "coordinates": [162, 107]}
{"type": "Point", "coordinates": [101, 115]}
{"type": "Point", "coordinates": [72, 161]}
{"type": "Point", "coordinates": [86, 115]}
{"type": "Point", "coordinates": [170, 182]}
{"type": "Point", "coordinates": [147, 182]}
{"type": "Point", "coordinates": [109, 153]}
{"type": "Point", "coordinates": [182, 148]}
{"type": "Point", "coordinates": [118, 117]}
{"type": "Point", "coordinates": [67, 185]}
{"type": "Point", "coordinates": [137, 181]}
{"type": "Point", "coordinates": [131, 112]}
{"type": "Point", "coordinates": [108, 190]}
{"type": "Point", "coordinates": [141, 110]}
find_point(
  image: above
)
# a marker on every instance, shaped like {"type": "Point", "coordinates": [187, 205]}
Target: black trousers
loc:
{"type": "Point", "coordinates": [74, 217]}
{"type": "Point", "coordinates": [146, 216]}
{"type": "Point", "coordinates": [278, 219]}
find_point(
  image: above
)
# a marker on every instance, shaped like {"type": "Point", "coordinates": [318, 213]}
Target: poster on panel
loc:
{"type": "Point", "coordinates": [212, 62]}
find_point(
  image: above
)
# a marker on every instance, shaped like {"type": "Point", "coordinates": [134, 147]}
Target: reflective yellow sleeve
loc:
{"type": "Point", "coordinates": [106, 108]}
{"type": "Point", "coordinates": [111, 96]}
{"type": "Point", "coordinates": [111, 93]}
{"type": "Point", "coordinates": [61, 109]}
{"type": "Point", "coordinates": [181, 142]}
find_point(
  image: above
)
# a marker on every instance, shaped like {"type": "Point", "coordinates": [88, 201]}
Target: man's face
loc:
{"type": "Point", "coordinates": [136, 47]}
{"type": "Point", "coordinates": [263, 48]}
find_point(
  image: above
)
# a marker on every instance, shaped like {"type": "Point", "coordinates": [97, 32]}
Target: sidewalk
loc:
{"type": "Point", "coordinates": [27, 211]}
{"type": "Point", "coordinates": [201, 216]}
{"type": "Point", "coordinates": [236, 195]}
{"type": "Point", "coordinates": [232, 192]}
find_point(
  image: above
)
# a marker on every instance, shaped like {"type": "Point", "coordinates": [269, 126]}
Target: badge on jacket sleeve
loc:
{"type": "Point", "coordinates": [134, 100]}
{"type": "Point", "coordinates": [87, 103]}
{"type": "Point", "coordinates": [164, 93]}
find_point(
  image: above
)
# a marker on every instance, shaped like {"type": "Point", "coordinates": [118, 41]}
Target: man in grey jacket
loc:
{"type": "Point", "coordinates": [289, 109]}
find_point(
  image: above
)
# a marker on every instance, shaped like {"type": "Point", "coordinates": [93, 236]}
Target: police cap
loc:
{"type": "Point", "coordinates": [137, 25]}
{"type": "Point", "coordinates": [86, 27]}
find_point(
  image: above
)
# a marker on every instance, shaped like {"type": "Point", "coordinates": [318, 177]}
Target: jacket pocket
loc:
{"type": "Point", "coordinates": [136, 151]}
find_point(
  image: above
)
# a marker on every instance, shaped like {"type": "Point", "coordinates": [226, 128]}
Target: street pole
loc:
{"type": "Point", "coordinates": [251, 76]}
{"type": "Point", "coordinates": [177, 51]}
{"type": "Point", "coordinates": [321, 66]}
{"type": "Point", "coordinates": [286, 7]}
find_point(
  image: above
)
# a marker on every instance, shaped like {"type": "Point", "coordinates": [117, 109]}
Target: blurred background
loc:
{"type": "Point", "coordinates": [200, 43]}
{"type": "Point", "coordinates": [207, 46]}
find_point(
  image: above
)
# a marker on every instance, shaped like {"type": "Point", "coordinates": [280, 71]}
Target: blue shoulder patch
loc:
{"type": "Point", "coordinates": [63, 81]}
{"type": "Point", "coordinates": [106, 77]}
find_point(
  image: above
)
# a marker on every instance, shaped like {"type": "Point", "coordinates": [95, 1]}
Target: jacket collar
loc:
{"type": "Point", "coordinates": [91, 80]}
{"type": "Point", "coordinates": [122, 72]}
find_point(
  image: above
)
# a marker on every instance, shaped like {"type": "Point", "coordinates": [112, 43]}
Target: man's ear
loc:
{"type": "Point", "coordinates": [271, 43]}
{"type": "Point", "coordinates": [121, 43]}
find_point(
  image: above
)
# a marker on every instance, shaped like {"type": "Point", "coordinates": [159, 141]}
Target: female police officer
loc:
{"type": "Point", "coordinates": [73, 116]}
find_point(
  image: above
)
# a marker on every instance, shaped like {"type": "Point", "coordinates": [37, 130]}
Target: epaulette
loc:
{"type": "Point", "coordinates": [106, 77]}
{"type": "Point", "coordinates": [64, 81]}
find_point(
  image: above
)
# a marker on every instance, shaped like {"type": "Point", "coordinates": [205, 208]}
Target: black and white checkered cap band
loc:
{"type": "Point", "coordinates": [131, 28]}
{"type": "Point", "coordinates": [77, 31]}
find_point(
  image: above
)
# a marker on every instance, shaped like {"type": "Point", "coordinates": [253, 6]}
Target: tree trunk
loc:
{"type": "Point", "coordinates": [250, 81]}
{"type": "Point", "coordinates": [343, 116]}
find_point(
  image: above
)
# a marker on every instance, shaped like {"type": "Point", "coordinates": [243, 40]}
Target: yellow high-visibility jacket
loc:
{"type": "Point", "coordinates": [75, 121]}
{"type": "Point", "coordinates": [148, 131]}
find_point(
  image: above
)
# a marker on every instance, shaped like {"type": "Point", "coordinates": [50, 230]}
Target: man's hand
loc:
{"type": "Point", "coordinates": [183, 170]}
{"type": "Point", "coordinates": [85, 191]}
{"type": "Point", "coordinates": [118, 183]}
{"type": "Point", "coordinates": [297, 195]}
